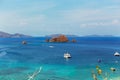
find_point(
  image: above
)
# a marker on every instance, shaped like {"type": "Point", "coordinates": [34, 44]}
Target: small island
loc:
{"type": "Point", "coordinates": [74, 41]}
{"type": "Point", "coordinates": [60, 38]}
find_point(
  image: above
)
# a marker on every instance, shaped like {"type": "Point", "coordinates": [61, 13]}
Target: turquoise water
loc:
{"type": "Point", "coordinates": [18, 62]}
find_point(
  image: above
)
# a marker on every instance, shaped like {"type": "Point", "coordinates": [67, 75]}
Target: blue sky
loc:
{"type": "Point", "coordinates": [44, 17]}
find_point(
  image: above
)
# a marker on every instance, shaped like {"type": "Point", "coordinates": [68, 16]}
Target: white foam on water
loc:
{"type": "Point", "coordinates": [3, 53]}
{"type": "Point", "coordinates": [51, 46]}
{"type": "Point", "coordinates": [31, 77]}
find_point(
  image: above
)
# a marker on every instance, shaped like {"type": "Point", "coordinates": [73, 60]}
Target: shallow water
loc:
{"type": "Point", "coordinates": [20, 61]}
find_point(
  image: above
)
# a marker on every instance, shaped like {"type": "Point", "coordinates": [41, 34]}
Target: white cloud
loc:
{"type": "Point", "coordinates": [98, 24]}
{"type": "Point", "coordinates": [116, 22]}
{"type": "Point", "coordinates": [29, 14]}
{"type": "Point", "coordinates": [87, 15]}
{"type": "Point", "coordinates": [79, 15]}
{"type": "Point", "coordinates": [11, 20]}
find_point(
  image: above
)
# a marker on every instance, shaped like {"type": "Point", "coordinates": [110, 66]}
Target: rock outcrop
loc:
{"type": "Point", "coordinates": [74, 41]}
{"type": "Point", "coordinates": [60, 38]}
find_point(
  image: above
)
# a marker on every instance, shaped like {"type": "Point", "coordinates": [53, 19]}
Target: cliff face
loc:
{"type": "Point", "coordinates": [61, 38]}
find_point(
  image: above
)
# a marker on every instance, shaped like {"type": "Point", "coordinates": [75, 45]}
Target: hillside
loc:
{"type": "Point", "coordinates": [56, 35]}
{"type": "Point", "coordinates": [16, 35]}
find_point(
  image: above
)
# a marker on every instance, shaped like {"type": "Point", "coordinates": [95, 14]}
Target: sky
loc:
{"type": "Point", "coordinates": [44, 17]}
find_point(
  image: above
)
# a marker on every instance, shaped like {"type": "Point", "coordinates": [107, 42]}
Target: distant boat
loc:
{"type": "Point", "coordinates": [112, 69]}
{"type": "Point", "coordinates": [67, 55]}
{"type": "Point", "coordinates": [51, 46]}
{"type": "Point", "coordinates": [99, 60]}
{"type": "Point", "coordinates": [24, 42]}
{"type": "Point", "coordinates": [117, 54]}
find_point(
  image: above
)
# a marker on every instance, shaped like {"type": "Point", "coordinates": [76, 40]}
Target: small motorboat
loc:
{"type": "Point", "coordinates": [67, 55]}
{"type": "Point", "coordinates": [51, 46]}
{"type": "Point", "coordinates": [112, 69]}
{"type": "Point", "coordinates": [117, 54]}
{"type": "Point", "coordinates": [24, 42]}
{"type": "Point", "coordinates": [99, 60]}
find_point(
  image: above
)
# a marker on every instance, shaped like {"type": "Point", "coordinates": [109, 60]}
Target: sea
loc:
{"type": "Point", "coordinates": [40, 60]}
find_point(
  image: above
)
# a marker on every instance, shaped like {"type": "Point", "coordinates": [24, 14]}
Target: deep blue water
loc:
{"type": "Point", "coordinates": [20, 60]}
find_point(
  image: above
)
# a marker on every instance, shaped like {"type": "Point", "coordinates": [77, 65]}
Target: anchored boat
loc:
{"type": "Point", "coordinates": [67, 55]}
{"type": "Point", "coordinates": [117, 54]}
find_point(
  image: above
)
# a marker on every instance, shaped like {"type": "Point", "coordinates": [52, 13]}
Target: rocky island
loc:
{"type": "Point", "coordinates": [60, 38]}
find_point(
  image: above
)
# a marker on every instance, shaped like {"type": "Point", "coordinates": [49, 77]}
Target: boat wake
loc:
{"type": "Point", "coordinates": [31, 77]}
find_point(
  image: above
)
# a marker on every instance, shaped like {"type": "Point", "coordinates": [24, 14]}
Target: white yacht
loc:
{"type": "Point", "coordinates": [67, 55]}
{"type": "Point", "coordinates": [117, 54]}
